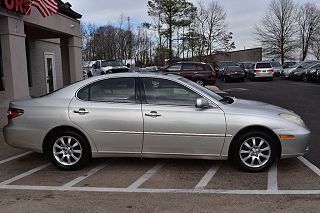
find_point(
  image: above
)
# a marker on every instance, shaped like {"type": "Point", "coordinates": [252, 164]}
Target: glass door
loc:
{"type": "Point", "coordinates": [50, 72]}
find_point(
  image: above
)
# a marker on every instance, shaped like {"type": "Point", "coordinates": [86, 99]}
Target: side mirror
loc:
{"type": "Point", "coordinates": [202, 103]}
{"type": "Point", "coordinates": [94, 66]}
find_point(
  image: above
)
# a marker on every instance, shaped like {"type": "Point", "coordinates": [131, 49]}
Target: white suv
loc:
{"type": "Point", "coordinates": [261, 70]}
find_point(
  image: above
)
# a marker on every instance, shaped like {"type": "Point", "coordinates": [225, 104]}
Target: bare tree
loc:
{"type": "Point", "coordinates": [308, 21]}
{"type": "Point", "coordinates": [315, 48]}
{"type": "Point", "coordinates": [277, 29]}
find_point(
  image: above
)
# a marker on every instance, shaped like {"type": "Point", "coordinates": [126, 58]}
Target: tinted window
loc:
{"type": "Point", "coordinates": [263, 66]}
{"type": "Point", "coordinates": [174, 68]}
{"type": "Point", "coordinates": [193, 67]}
{"type": "Point", "coordinates": [118, 90]}
{"type": "Point", "coordinates": [165, 92]}
{"type": "Point", "coordinates": [276, 64]}
{"type": "Point", "coordinates": [1, 73]}
{"type": "Point", "coordinates": [234, 69]}
{"type": "Point", "coordinates": [111, 63]}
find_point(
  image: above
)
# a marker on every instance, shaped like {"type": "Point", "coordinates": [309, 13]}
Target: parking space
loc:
{"type": "Point", "coordinates": [34, 171]}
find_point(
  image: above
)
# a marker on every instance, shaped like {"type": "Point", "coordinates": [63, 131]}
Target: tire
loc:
{"type": "Point", "coordinates": [247, 158]}
{"type": "Point", "coordinates": [75, 147]}
{"type": "Point", "coordinates": [201, 82]}
{"type": "Point", "coordinates": [304, 78]}
{"type": "Point", "coordinates": [225, 79]}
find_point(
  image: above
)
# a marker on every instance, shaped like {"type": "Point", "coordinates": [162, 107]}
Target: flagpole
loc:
{"type": "Point", "coordinates": [29, 10]}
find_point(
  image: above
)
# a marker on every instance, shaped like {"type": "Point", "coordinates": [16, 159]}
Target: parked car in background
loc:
{"type": "Point", "coordinates": [286, 72]}
{"type": "Point", "coordinates": [199, 72]}
{"type": "Point", "coordinates": [311, 72]}
{"type": "Point", "coordinates": [220, 66]}
{"type": "Point", "coordinates": [277, 68]}
{"type": "Point", "coordinates": [289, 64]}
{"type": "Point", "coordinates": [246, 66]}
{"type": "Point", "coordinates": [261, 70]}
{"type": "Point", "coordinates": [157, 116]}
{"type": "Point", "coordinates": [316, 77]}
{"type": "Point", "coordinates": [300, 73]}
{"type": "Point", "coordinates": [233, 73]}
{"type": "Point", "coordinates": [102, 67]}
{"type": "Point", "coordinates": [150, 69]}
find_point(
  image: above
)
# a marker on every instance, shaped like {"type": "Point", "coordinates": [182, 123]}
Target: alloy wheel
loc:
{"type": "Point", "coordinates": [255, 152]}
{"type": "Point", "coordinates": [67, 150]}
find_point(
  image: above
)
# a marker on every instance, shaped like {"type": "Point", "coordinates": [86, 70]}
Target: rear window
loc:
{"type": "Point", "coordinates": [234, 69]}
{"type": "Point", "coordinates": [263, 66]}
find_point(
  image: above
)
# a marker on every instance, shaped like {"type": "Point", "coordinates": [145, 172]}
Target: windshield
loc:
{"type": "Point", "coordinates": [276, 64]}
{"type": "Point", "coordinates": [111, 63]}
{"type": "Point", "coordinates": [247, 65]}
{"type": "Point", "coordinates": [202, 89]}
{"type": "Point", "coordinates": [234, 69]}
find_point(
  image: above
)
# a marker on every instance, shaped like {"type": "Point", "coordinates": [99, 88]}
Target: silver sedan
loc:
{"type": "Point", "coordinates": [154, 116]}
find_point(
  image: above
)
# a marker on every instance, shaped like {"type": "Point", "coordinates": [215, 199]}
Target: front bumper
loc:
{"type": "Point", "coordinates": [297, 146]}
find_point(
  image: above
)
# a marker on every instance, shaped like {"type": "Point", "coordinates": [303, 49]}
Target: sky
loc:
{"type": "Point", "coordinates": [242, 15]}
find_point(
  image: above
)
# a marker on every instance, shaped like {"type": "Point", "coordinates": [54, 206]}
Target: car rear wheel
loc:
{"type": "Point", "coordinates": [68, 150]}
{"type": "Point", "coordinates": [254, 151]}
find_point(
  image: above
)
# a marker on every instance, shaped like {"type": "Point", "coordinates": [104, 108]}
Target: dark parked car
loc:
{"type": "Point", "coordinates": [246, 66]}
{"type": "Point", "coordinates": [311, 73]}
{"type": "Point", "coordinates": [199, 72]}
{"type": "Point", "coordinates": [233, 73]}
{"type": "Point", "coordinates": [300, 74]}
{"type": "Point", "coordinates": [220, 66]}
{"type": "Point", "coordinates": [317, 75]}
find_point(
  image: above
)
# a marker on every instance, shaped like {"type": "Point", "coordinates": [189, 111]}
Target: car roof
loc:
{"type": "Point", "coordinates": [190, 62]}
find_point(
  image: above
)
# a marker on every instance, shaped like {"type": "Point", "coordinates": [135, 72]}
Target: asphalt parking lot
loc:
{"type": "Point", "coordinates": [29, 183]}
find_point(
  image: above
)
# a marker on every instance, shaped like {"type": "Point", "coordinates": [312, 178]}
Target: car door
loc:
{"type": "Point", "coordinates": [174, 126]}
{"type": "Point", "coordinates": [110, 113]}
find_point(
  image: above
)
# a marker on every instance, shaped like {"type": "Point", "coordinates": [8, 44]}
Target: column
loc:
{"type": "Point", "coordinates": [75, 58]}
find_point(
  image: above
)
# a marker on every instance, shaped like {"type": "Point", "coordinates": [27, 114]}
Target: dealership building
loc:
{"type": "Point", "coordinates": [37, 55]}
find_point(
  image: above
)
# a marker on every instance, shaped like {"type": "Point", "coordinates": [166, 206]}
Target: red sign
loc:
{"type": "Point", "coordinates": [19, 6]}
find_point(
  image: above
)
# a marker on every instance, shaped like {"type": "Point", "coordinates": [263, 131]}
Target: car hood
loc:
{"type": "Point", "coordinates": [255, 108]}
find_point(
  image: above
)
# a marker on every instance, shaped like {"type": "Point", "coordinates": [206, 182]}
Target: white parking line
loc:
{"type": "Point", "coordinates": [207, 177]}
{"type": "Point", "coordinates": [310, 165]}
{"type": "Point", "coordinates": [24, 174]}
{"type": "Point", "coordinates": [83, 177]}
{"type": "Point", "coordinates": [273, 177]}
{"type": "Point", "coordinates": [14, 157]}
{"type": "Point", "coordinates": [141, 190]}
{"type": "Point", "coordinates": [146, 176]}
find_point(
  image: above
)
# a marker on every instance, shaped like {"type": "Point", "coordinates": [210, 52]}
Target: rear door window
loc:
{"type": "Point", "coordinates": [117, 90]}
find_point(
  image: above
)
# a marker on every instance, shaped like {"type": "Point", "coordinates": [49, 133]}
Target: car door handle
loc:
{"type": "Point", "coordinates": [81, 111]}
{"type": "Point", "coordinates": [153, 114]}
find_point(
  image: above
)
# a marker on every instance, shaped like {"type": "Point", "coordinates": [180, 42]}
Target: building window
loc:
{"type": "Point", "coordinates": [1, 72]}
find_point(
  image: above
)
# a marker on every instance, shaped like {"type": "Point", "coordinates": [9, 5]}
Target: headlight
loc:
{"type": "Point", "coordinates": [293, 119]}
{"type": "Point", "coordinates": [313, 71]}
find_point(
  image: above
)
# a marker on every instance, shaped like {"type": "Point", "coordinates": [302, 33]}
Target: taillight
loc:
{"type": "Point", "coordinates": [270, 71]}
{"type": "Point", "coordinates": [13, 113]}
{"type": "Point", "coordinates": [257, 70]}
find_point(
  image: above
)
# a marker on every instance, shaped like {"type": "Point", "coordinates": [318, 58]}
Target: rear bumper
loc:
{"type": "Point", "coordinates": [23, 139]}
{"type": "Point", "coordinates": [263, 75]}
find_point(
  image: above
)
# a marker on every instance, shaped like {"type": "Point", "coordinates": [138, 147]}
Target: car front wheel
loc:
{"type": "Point", "coordinates": [68, 150]}
{"type": "Point", "coordinates": [254, 151]}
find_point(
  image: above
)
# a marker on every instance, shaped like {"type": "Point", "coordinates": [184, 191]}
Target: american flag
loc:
{"type": "Point", "coordinates": [45, 7]}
